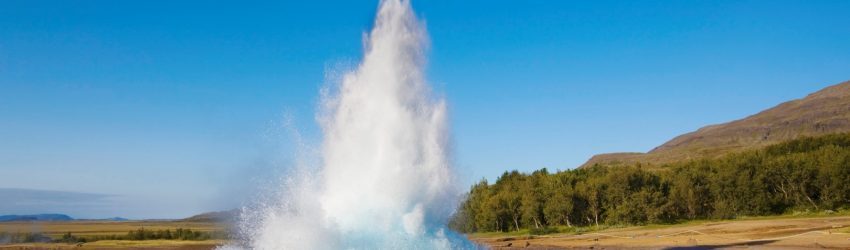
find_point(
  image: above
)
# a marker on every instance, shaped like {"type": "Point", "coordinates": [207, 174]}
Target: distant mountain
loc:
{"type": "Point", "coordinates": [824, 112]}
{"type": "Point", "coordinates": [35, 217]}
{"type": "Point", "coordinates": [106, 219]}
{"type": "Point", "coordinates": [221, 216]}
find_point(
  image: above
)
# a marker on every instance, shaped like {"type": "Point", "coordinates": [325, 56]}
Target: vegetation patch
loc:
{"type": "Point", "coordinates": [801, 177]}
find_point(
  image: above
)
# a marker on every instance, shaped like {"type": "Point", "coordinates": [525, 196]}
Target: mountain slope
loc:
{"type": "Point", "coordinates": [824, 112]}
{"type": "Point", "coordinates": [35, 217]}
{"type": "Point", "coordinates": [220, 216]}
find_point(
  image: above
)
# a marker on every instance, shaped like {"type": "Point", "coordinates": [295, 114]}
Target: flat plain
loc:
{"type": "Point", "coordinates": [56, 229]}
{"type": "Point", "coordinates": [758, 233]}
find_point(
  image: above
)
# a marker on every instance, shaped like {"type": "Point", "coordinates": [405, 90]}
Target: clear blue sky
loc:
{"type": "Point", "coordinates": [165, 109]}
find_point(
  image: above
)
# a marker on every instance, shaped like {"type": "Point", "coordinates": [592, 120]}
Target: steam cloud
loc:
{"type": "Point", "coordinates": [385, 180]}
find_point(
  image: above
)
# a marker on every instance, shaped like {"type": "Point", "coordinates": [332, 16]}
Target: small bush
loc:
{"type": "Point", "coordinates": [543, 230]}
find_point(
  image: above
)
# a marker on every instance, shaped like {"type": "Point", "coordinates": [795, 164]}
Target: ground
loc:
{"type": "Point", "coordinates": [120, 244]}
{"type": "Point", "coordinates": [761, 233]}
{"type": "Point", "coordinates": [772, 233]}
{"type": "Point", "coordinates": [91, 228]}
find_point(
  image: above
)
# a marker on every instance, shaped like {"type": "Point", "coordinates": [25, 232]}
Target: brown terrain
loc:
{"type": "Point", "coordinates": [67, 247]}
{"type": "Point", "coordinates": [824, 112]}
{"type": "Point", "coordinates": [788, 233]}
{"type": "Point", "coordinates": [55, 229]}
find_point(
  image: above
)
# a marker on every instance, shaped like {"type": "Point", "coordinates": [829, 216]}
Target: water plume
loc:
{"type": "Point", "coordinates": [384, 179]}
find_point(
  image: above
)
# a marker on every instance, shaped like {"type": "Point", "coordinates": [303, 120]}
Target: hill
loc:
{"type": "Point", "coordinates": [808, 175]}
{"type": "Point", "coordinates": [220, 216]}
{"type": "Point", "coordinates": [36, 217]}
{"type": "Point", "coordinates": [824, 112]}
{"type": "Point", "coordinates": [116, 219]}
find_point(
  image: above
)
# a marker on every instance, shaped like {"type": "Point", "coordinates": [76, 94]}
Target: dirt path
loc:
{"type": "Point", "coordinates": [807, 233]}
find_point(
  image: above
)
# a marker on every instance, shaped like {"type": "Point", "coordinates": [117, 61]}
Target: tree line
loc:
{"type": "Point", "coordinates": [178, 234]}
{"type": "Point", "coordinates": [810, 174]}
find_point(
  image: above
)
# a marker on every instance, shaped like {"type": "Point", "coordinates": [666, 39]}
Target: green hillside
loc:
{"type": "Point", "coordinates": [804, 175]}
{"type": "Point", "coordinates": [824, 112]}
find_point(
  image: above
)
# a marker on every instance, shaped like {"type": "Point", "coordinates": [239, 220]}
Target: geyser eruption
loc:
{"type": "Point", "coordinates": [385, 180]}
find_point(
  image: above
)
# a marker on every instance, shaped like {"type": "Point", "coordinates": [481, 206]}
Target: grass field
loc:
{"type": "Point", "coordinates": [55, 230]}
{"type": "Point", "coordinates": [123, 244]}
{"type": "Point", "coordinates": [88, 228]}
{"type": "Point", "coordinates": [589, 229]}
{"type": "Point", "coordinates": [778, 232]}
{"type": "Point", "coordinates": [819, 231]}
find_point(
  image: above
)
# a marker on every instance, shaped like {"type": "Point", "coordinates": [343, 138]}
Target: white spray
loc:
{"type": "Point", "coordinates": [385, 180]}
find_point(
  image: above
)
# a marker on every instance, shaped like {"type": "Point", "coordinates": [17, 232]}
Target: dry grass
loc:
{"type": "Point", "coordinates": [92, 228]}
{"type": "Point", "coordinates": [768, 233]}
{"type": "Point", "coordinates": [122, 244]}
{"type": "Point", "coordinates": [106, 228]}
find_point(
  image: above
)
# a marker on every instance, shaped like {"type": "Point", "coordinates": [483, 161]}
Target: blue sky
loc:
{"type": "Point", "coordinates": [170, 109]}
